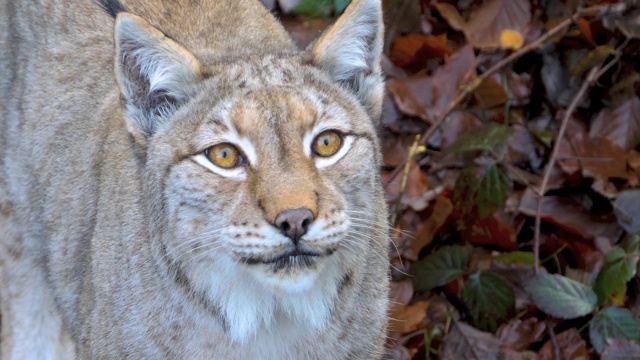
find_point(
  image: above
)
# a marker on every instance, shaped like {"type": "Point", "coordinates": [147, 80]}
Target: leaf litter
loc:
{"type": "Point", "coordinates": [487, 85]}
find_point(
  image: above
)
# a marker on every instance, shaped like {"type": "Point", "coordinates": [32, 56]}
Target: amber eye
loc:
{"type": "Point", "coordinates": [327, 143]}
{"type": "Point", "coordinates": [224, 155]}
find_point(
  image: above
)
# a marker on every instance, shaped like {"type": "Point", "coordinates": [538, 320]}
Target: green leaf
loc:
{"type": "Point", "coordinates": [618, 269]}
{"type": "Point", "coordinates": [439, 268]}
{"type": "Point", "coordinates": [613, 323]}
{"type": "Point", "coordinates": [489, 298]}
{"type": "Point", "coordinates": [340, 5]}
{"type": "Point", "coordinates": [485, 138]}
{"type": "Point", "coordinates": [493, 190]}
{"type": "Point", "coordinates": [630, 243]}
{"type": "Point", "coordinates": [516, 258]}
{"type": "Point", "coordinates": [314, 8]}
{"type": "Point", "coordinates": [481, 188]}
{"type": "Point", "coordinates": [560, 296]}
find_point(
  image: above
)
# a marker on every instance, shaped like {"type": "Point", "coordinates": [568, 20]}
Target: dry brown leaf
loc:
{"type": "Point", "coordinates": [487, 25]}
{"type": "Point", "coordinates": [467, 342]}
{"type": "Point", "coordinates": [491, 93]}
{"type": "Point", "coordinates": [488, 231]}
{"type": "Point", "coordinates": [429, 97]}
{"type": "Point", "coordinates": [458, 123]}
{"type": "Point", "coordinates": [598, 158]}
{"type": "Point", "coordinates": [524, 148]}
{"type": "Point", "coordinates": [620, 125]}
{"type": "Point", "coordinates": [415, 49]}
{"type": "Point", "coordinates": [401, 294]}
{"type": "Point", "coordinates": [518, 334]}
{"type": "Point", "coordinates": [442, 208]}
{"type": "Point", "coordinates": [409, 318]}
{"type": "Point", "coordinates": [572, 347]}
{"type": "Point", "coordinates": [621, 350]}
{"type": "Point", "coordinates": [397, 352]}
{"type": "Point", "coordinates": [569, 215]}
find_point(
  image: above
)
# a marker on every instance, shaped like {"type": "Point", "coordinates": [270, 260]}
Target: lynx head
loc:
{"type": "Point", "coordinates": [261, 174]}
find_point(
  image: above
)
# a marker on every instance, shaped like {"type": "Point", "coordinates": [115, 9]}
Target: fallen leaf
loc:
{"type": "Point", "coordinates": [627, 210]}
{"type": "Point", "coordinates": [466, 342]}
{"type": "Point", "coordinates": [429, 97]}
{"type": "Point", "coordinates": [400, 294]}
{"type": "Point", "coordinates": [585, 28]}
{"type": "Point", "coordinates": [415, 49]}
{"type": "Point", "coordinates": [488, 231]}
{"type": "Point", "coordinates": [628, 24]}
{"type": "Point", "coordinates": [571, 345]}
{"type": "Point", "coordinates": [408, 318]}
{"type": "Point", "coordinates": [442, 208]}
{"type": "Point", "coordinates": [487, 24]}
{"type": "Point", "coordinates": [518, 334]}
{"type": "Point", "coordinates": [458, 124]}
{"type": "Point", "coordinates": [569, 215]}
{"type": "Point", "coordinates": [620, 125]}
{"type": "Point", "coordinates": [597, 157]}
{"type": "Point", "coordinates": [416, 193]}
{"type": "Point", "coordinates": [524, 148]}
{"type": "Point", "coordinates": [491, 93]}
{"type": "Point", "coordinates": [621, 350]}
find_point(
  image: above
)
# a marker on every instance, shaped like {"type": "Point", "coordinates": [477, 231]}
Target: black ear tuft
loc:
{"type": "Point", "coordinates": [111, 7]}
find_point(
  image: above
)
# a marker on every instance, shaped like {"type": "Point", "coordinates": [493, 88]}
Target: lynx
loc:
{"type": "Point", "coordinates": [179, 181]}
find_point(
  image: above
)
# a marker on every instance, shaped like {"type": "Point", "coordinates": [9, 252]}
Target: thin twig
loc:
{"type": "Point", "coordinates": [552, 160]}
{"type": "Point", "coordinates": [554, 342]}
{"type": "Point", "coordinates": [405, 176]}
{"type": "Point", "coordinates": [594, 75]}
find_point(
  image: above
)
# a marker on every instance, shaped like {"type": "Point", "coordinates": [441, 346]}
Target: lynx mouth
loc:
{"type": "Point", "coordinates": [288, 259]}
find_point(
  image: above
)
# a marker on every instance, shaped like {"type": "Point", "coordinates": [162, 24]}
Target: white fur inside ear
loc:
{"type": "Point", "coordinates": [354, 43]}
{"type": "Point", "coordinates": [153, 71]}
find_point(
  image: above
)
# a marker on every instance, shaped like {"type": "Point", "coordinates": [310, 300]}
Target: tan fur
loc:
{"type": "Point", "coordinates": [120, 240]}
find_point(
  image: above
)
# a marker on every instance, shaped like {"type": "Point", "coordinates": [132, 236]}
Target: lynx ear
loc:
{"type": "Point", "coordinates": [154, 74]}
{"type": "Point", "coordinates": [350, 52]}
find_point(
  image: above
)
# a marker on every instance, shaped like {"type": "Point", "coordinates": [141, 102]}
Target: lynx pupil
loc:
{"type": "Point", "coordinates": [327, 143]}
{"type": "Point", "coordinates": [224, 155]}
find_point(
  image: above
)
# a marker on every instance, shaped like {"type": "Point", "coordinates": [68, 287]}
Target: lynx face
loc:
{"type": "Point", "coordinates": [289, 146]}
{"type": "Point", "coordinates": [261, 174]}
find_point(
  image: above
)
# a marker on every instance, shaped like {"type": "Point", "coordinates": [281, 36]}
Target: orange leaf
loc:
{"type": "Point", "coordinates": [488, 231]}
{"type": "Point", "coordinates": [417, 48]}
{"type": "Point", "coordinates": [442, 208]}
{"type": "Point", "coordinates": [511, 39]}
{"type": "Point", "coordinates": [409, 318]}
{"type": "Point", "coordinates": [585, 28]}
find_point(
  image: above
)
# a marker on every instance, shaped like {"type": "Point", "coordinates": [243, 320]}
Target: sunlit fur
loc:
{"type": "Point", "coordinates": [120, 239]}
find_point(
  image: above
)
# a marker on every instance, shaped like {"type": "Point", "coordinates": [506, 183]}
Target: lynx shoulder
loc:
{"type": "Point", "coordinates": [179, 181]}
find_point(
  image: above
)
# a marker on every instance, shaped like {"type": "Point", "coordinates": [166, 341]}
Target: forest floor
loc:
{"type": "Point", "coordinates": [510, 134]}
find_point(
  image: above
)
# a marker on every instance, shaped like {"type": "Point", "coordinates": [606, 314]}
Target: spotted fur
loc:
{"type": "Point", "coordinates": [119, 239]}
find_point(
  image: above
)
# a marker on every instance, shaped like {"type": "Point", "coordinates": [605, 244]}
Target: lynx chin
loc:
{"type": "Point", "coordinates": [179, 181]}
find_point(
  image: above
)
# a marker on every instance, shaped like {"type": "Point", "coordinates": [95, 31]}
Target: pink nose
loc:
{"type": "Point", "coordinates": [294, 222]}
